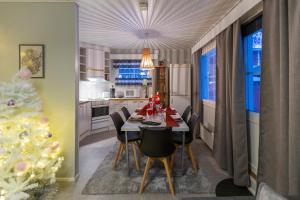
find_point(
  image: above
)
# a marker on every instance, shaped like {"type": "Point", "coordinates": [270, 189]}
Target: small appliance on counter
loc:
{"type": "Point", "coordinates": [120, 94]}
{"type": "Point", "coordinates": [112, 92]}
{"type": "Point", "coordinates": [132, 93]}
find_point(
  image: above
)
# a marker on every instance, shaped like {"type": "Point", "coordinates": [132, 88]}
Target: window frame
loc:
{"type": "Point", "coordinates": [248, 29]}
{"type": "Point", "coordinates": [207, 100]}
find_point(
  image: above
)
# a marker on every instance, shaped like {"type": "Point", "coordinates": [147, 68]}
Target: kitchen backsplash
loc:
{"type": "Point", "coordinates": [94, 90]}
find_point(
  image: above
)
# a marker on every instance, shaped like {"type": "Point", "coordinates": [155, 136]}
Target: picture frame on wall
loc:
{"type": "Point", "coordinates": [32, 56]}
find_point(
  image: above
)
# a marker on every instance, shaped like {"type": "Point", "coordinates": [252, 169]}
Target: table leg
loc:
{"type": "Point", "coordinates": [127, 152]}
{"type": "Point", "coordinates": [182, 150]}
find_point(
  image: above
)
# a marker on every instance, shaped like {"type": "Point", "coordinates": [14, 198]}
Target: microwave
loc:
{"type": "Point", "coordinates": [132, 93]}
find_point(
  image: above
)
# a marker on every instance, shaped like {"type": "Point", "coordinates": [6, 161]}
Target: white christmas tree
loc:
{"type": "Point", "coordinates": [29, 154]}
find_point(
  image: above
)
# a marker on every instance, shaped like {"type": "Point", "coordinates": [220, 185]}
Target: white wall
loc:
{"type": "Point", "coordinates": [55, 26]}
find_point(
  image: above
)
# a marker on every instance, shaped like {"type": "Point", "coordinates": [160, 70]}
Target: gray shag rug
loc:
{"type": "Point", "coordinates": [108, 181]}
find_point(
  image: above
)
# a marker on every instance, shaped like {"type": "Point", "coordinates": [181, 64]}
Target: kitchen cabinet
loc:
{"type": "Point", "coordinates": [82, 63]}
{"type": "Point", "coordinates": [95, 63]}
{"type": "Point", "coordinates": [161, 83]}
{"type": "Point", "coordinates": [84, 117]}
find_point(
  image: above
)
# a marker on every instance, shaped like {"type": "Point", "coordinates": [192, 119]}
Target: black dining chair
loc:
{"type": "Point", "coordinates": [132, 136]}
{"type": "Point", "coordinates": [125, 112]}
{"type": "Point", "coordinates": [186, 113]}
{"type": "Point", "coordinates": [156, 144]}
{"type": "Point", "coordinates": [189, 136]}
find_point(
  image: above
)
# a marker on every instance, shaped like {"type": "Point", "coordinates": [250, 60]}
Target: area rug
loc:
{"type": "Point", "coordinates": [108, 181]}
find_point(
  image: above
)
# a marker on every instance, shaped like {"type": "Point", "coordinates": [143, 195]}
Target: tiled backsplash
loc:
{"type": "Point", "coordinates": [93, 90]}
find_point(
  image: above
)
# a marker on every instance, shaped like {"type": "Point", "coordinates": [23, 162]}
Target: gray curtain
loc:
{"type": "Point", "coordinates": [230, 142]}
{"type": "Point", "coordinates": [197, 105]}
{"type": "Point", "coordinates": [279, 148]}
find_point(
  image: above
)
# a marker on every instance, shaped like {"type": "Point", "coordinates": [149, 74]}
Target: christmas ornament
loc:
{"type": "Point", "coordinates": [24, 74]}
{"type": "Point", "coordinates": [11, 103]}
{"type": "Point", "coordinates": [23, 134]}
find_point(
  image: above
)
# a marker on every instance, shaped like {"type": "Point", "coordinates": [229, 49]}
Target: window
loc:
{"type": "Point", "coordinates": [129, 73]}
{"type": "Point", "coordinates": [252, 61]}
{"type": "Point", "coordinates": [208, 75]}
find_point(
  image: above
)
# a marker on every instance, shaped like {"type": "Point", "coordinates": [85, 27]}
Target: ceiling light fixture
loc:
{"type": "Point", "coordinates": [146, 62]}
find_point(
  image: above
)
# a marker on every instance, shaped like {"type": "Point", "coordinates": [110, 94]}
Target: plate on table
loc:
{"type": "Point", "coordinates": [151, 122]}
{"type": "Point", "coordinates": [177, 117]}
{"type": "Point", "coordinates": [137, 118]}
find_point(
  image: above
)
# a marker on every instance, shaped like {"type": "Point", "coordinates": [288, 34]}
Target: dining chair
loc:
{"type": "Point", "coordinates": [186, 113]}
{"type": "Point", "coordinates": [125, 112]}
{"type": "Point", "coordinates": [132, 136]}
{"type": "Point", "coordinates": [189, 136]}
{"type": "Point", "coordinates": [156, 144]}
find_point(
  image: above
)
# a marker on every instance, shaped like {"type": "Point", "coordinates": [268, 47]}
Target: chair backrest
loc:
{"type": "Point", "coordinates": [186, 113]}
{"type": "Point", "coordinates": [125, 112]}
{"type": "Point", "coordinates": [118, 121]}
{"type": "Point", "coordinates": [193, 122]}
{"type": "Point", "coordinates": [156, 141]}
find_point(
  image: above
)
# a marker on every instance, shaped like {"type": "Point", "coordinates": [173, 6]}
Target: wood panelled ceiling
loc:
{"type": "Point", "coordinates": [168, 24]}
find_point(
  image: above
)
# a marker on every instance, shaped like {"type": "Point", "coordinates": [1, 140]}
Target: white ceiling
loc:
{"type": "Point", "coordinates": [170, 24]}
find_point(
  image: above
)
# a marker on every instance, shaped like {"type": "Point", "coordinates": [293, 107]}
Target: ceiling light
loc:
{"type": "Point", "coordinates": [143, 6]}
{"type": "Point", "coordinates": [146, 62]}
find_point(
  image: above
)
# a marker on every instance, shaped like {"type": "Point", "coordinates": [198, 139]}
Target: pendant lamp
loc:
{"type": "Point", "coordinates": [146, 62]}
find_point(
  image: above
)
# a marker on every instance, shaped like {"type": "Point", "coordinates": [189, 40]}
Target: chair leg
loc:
{"type": "Point", "coordinates": [120, 149]}
{"type": "Point", "coordinates": [191, 156]}
{"type": "Point", "coordinates": [137, 165]}
{"type": "Point", "coordinates": [168, 171]}
{"type": "Point", "coordinates": [147, 167]}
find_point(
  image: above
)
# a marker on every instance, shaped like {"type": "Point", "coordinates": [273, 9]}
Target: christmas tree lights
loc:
{"type": "Point", "coordinates": [29, 154]}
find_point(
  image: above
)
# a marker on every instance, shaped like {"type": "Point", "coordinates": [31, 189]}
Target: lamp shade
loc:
{"type": "Point", "coordinates": [146, 62]}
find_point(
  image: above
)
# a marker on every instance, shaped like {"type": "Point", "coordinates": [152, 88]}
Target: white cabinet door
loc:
{"type": "Point", "coordinates": [84, 117]}
{"type": "Point", "coordinates": [80, 119]}
{"type": "Point", "coordinates": [90, 58]}
{"type": "Point", "coordinates": [99, 62]}
{"type": "Point", "coordinates": [95, 62]}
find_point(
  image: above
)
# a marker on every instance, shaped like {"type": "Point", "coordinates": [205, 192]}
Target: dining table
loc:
{"type": "Point", "coordinates": [166, 119]}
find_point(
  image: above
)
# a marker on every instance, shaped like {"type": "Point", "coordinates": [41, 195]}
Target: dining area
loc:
{"type": "Point", "coordinates": [155, 133]}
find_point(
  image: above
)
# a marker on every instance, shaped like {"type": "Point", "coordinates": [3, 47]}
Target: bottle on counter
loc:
{"type": "Point", "coordinates": [112, 92]}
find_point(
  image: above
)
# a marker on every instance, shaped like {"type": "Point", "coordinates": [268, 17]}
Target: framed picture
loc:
{"type": "Point", "coordinates": [32, 56]}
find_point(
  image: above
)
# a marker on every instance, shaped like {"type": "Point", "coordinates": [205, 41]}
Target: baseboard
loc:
{"type": "Point", "coordinates": [67, 179]}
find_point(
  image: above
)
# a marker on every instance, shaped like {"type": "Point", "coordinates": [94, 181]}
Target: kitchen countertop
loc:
{"type": "Point", "coordinates": [128, 99]}
{"type": "Point", "coordinates": [83, 102]}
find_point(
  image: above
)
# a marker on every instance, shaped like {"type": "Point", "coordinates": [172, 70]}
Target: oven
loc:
{"type": "Point", "coordinates": [100, 111]}
{"type": "Point", "coordinates": [100, 115]}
